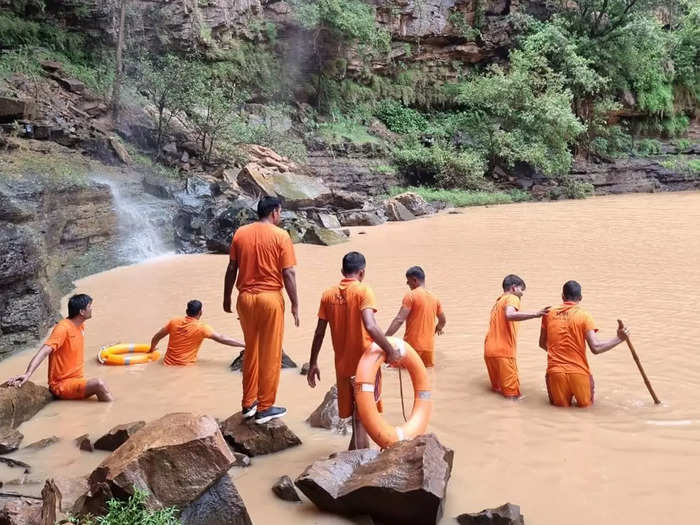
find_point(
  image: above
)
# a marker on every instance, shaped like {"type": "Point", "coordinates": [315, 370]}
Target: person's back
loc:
{"type": "Point", "coordinates": [501, 338]}
{"type": "Point", "coordinates": [420, 323]}
{"type": "Point", "coordinates": [185, 339]}
{"type": "Point", "coordinates": [260, 249]}
{"type": "Point", "coordinates": [67, 360]}
{"type": "Point", "coordinates": [566, 327]}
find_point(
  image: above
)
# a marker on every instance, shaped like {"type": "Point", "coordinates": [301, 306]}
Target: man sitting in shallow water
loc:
{"type": "Point", "coordinates": [186, 335]}
{"type": "Point", "coordinates": [65, 349]}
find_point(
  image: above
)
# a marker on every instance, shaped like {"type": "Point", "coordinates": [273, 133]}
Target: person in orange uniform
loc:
{"type": "Point", "coordinates": [349, 309]}
{"type": "Point", "coordinates": [65, 349]}
{"type": "Point", "coordinates": [419, 309]}
{"type": "Point", "coordinates": [501, 338]}
{"type": "Point", "coordinates": [262, 257]}
{"type": "Point", "coordinates": [564, 333]}
{"type": "Point", "coordinates": [185, 336]}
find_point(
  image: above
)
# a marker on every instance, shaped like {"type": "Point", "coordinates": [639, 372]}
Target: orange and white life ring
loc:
{"type": "Point", "coordinates": [127, 354]}
{"type": "Point", "coordinates": [379, 430]}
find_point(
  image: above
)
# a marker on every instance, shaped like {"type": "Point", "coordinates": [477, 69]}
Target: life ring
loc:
{"type": "Point", "coordinates": [127, 354]}
{"type": "Point", "coordinates": [379, 430]}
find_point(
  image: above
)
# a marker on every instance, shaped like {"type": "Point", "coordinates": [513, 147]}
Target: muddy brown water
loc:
{"type": "Point", "coordinates": [624, 461]}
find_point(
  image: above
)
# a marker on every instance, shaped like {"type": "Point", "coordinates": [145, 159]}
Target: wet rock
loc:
{"type": "Point", "coordinates": [326, 415]}
{"type": "Point", "coordinates": [10, 439]}
{"type": "Point", "coordinates": [162, 187]}
{"type": "Point", "coordinates": [405, 483]}
{"type": "Point", "coordinates": [305, 369]}
{"type": "Point", "coordinates": [20, 511]}
{"type": "Point", "coordinates": [43, 443]}
{"type": "Point", "coordinates": [18, 405]}
{"type": "Point", "coordinates": [174, 458]}
{"type": "Point", "coordinates": [83, 443]}
{"type": "Point", "coordinates": [241, 460]}
{"type": "Point", "coordinates": [284, 489]}
{"type": "Point", "coordinates": [507, 514]}
{"type": "Point", "coordinates": [295, 190]}
{"type": "Point", "coordinates": [15, 463]}
{"type": "Point", "coordinates": [249, 438]}
{"type": "Point", "coordinates": [414, 203]}
{"type": "Point", "coordinates": [395, 211]}
{"type": "Point", "coordinates": [113, 439]}
{"type": "Point", "coordinates": [63, 494]}
{"type": "Point", "coordinates": [221, 504]}
{"type": "Point", "coordinates": [347, 200]}
{"type": "Point", "coordinates": [323, 236]}
{"type": "Point", "coordinates": [328, 220]}
{"type": "Point", "coordinates": [120, 150]}
{"type": "Point", "coordinates": [237, 363]}
{"type": "Point", "coordinates": [360, 218]}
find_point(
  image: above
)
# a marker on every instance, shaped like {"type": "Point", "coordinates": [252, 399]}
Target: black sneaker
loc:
{"type": "Point", "coordinates": [250, 411]}
{"type": "Point", "coordinates": [269, 414]}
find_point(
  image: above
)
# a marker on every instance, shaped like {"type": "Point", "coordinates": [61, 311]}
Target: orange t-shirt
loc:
{"type": "Point", "coordinates": [262, 251]}
{"type": "Point", "coordinates": [67, 358]}
{"type": "Point", "coordinates": [420, 323]}
{"type": "Point", "coordinates": [566, 328]}
{"type": "Point", "coordinates": [342, 307]}
{"type": "Point", "coordinates": [501, 338]}
{"type": "Point", "coordinates": [185, 337]}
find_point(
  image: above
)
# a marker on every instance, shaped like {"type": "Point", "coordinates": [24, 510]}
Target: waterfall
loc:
{"type": "Point", "coordinates": [142, 219]}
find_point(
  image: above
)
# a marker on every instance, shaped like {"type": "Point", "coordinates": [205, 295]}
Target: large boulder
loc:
{"type": "Point", "coordinates": [323, 236]}
{"type": "Point", "coordinates": [414, 203]}
{"type": "Point", "coordinates": [295, 190]}
{"type": "Point", "coordinates": [251, 439]}
{"type": "Point", "coordinates": [10, 439]}
{"type": "Point", "coordinates": [174, 459]}
{"type": "Point", "coordinates": [395, 211]}
{"type": "Point", "coordinates": [507, 514]}
{"type": "Point", "coordinates": [20, 511]}
{"type": "Point", "coordinates": [360, 218]}
{"type": "Point", "coordinates": [326, 414]}
{"type": "Point", "coordinates": [118, 435]}
{"type": "Point", "coordinates": [220, 504]}
{"type": "Point", "coordinates": [405, 483]}
{"type": "Point", "coordinates": [18, 405]}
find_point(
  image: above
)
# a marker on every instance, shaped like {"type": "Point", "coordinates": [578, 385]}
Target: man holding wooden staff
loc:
{"type": "Point", "coordinates": [565, 331]}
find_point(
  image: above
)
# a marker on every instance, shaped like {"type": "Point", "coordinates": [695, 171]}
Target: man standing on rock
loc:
{"type": "Point", "coordinates": [564, 333]}
{"type": "Point", "coordinates": [262, 257]}
{"type": "Point", "coordinates": [501, 338]}
{"type": "Point", "coordinates": [185, 336]}
{"type": "Point", "coordinates": [65, 350]}
{"type": "Point", "coordinates": [419, 309]}
{"type": "Point", "coordinates": [349, 308]}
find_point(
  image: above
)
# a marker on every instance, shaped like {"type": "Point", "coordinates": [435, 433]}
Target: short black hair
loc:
{"type": "Point", "coordinates": [417, 272]}
{"type": "Point", "coordinates": [512, 280]}
{"type": "Point", "coordinates": [76, 303]}
{"type": "Point", "coordinates": [571, 291]}
{"type": "Point", "coordinates": [194, 307]}
{"type": "Point", "coordinates": [267, 205]}
{"type": "Point", "coordinates": [353, 262]}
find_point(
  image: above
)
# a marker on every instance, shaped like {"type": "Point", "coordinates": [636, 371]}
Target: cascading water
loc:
{"type": "Point", "coordinates": [142, 220]}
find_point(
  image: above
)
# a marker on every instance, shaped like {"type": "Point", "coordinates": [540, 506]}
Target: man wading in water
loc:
{"type": "Point", "coordinates": [65, 350]}
{"type": "Point", "coordinates": [349, 308]}
{"type": "Point", "coordinates": [419, 309]}
{"type": "Point", "coordinates": [262, 256]}
{"type": "Point", "coordinates": [185, 336]}
{"type": "Point", "coordinates": [564, 333]}
{"type": "Point", "coordinates": [501, 339]}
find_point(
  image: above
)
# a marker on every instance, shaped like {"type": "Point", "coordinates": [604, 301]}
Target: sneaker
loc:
{"type": "Point", "coordinates": [250, 411]}
{"type": "Point", "coordinates": [269, 414]}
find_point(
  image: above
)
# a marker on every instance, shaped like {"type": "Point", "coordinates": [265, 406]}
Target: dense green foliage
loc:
{"type": "Point", "coordinates": [462, 198]}
{"type": "Point", "coordinates": [132, 512]}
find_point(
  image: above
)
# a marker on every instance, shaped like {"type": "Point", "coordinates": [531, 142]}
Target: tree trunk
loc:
{"type": "Point", "coordinates": [118, 66]}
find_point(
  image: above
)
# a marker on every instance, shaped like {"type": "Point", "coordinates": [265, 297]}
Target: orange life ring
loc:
{"type": "Point", "coordinates": [127, 354]}
{"type": "Point", "coordinates": [379, 430]}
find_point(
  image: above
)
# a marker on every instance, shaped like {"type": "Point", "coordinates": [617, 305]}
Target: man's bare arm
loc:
{"type": "Point", "coordinates": [41, 354]}
{"type": "Point", "coordinates": [442, 321]}
{"type": "Point", "coordinates": [598, 347]}
{"type": "Point", "coordinates": [289, 276]}
{"type": "Point", "coordinates": [160, 334]}
{"type": "Point", "coordinates": [225, 340]}
{"type": "Point", "coordinates": [314, 372]}
{"type": "Point", "coordinates": [513, 315]}
{"type": "Point", "coordinates": [398, 321]}
{"type": "Point", "coordinates": [229, 281]}
{"type": "Point", "coordinates": [392, 354]}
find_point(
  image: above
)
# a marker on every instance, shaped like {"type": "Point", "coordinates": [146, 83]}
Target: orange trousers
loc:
{"type": "Point", "coordinates": [503, 373]}
{"type": "Point", "coordinates": [262, 321]}
{"type": "Point", "coordinates": [563, 387]}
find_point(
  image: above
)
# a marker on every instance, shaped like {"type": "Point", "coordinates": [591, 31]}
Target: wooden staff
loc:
{"type": "Point", "coordinates": [621, 326]}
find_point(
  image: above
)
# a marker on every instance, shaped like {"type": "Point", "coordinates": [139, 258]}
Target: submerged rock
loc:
{"type": "Point", "coordinates": [249, 438]}
{"type": "Point", "coordinates": [118, 435]}
{"type": "Point", "coordinates": [220, 504]}
{"type": "Point", "coordinates": [10, 439]}
{"type": "Point", "coordinates": [284, 489]}
{"type": "Point", "coordinates": [405, 483]}
{"type": "Point", "coordinates": [326, 415]}
{"type": "Point", "coordinates": [286, 362]}
{"type": "Point", "coordinates": [83, 443]}
{"type": "Point", "coordinates": [43, 443]}
{"type": "Point", "coordinates": [507, 514]}
{"type": "Point", "coordinates": [18, 405]}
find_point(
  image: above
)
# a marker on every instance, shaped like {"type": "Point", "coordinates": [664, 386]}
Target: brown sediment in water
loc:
{"type": "Point", "coordinates": [622, 461]}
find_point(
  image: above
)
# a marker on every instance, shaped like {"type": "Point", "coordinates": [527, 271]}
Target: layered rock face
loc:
{"type": "Point", "coordinates": [43, 227]}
